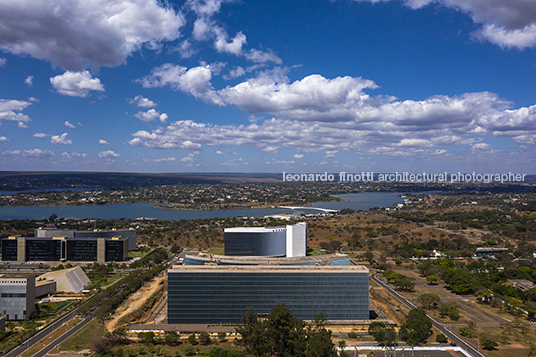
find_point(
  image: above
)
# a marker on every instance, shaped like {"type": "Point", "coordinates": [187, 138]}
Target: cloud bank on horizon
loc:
{"type": "Point", "coordinates": [206, 85]}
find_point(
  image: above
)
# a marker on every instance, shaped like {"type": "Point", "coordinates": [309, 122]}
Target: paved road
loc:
{"type": "Point", "coordinates": [436, 324]}
{"type": "Point", "coordinates": [63, 337]}
{"type": "Point", "coordinates": [49, 329]}
{"type": "Point", "coordinates": [40, 335]}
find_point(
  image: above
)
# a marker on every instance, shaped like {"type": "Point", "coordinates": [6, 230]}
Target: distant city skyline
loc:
{"type": "Point", "coordinates": [250, 86]}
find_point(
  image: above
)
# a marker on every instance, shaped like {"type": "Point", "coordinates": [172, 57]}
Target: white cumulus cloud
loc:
{"type": "Point", "coordinates": [142, 102]}
{"type": "Point", "coordinates": [506, 23]}
{"type": "Point", "coordinates": [69, 125]}
{"type": "Point", "coordinates": [108, 154]}
{"type": "Point", "coordinates": [60, 139]}
{"type": "Point", "coordinates": [77, 34]}
{"type": "Point", "coordinates": [195, 81]}
{"type": "Point", "coordinates": [29, 81]}
{"type": "Point", "coordinates": [31, 153]}
{"type": "Point", "coordinates": [76, 84]}
{"type": "Point", "coordinates": [151, 115]}
{"type": "Point", "coordinates": [10, 110]}
{"type": "Point", "coordinates": [166, 159]}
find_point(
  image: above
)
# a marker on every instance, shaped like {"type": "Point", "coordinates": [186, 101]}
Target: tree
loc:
{"type": "Point", "coordinates": [453, 311]}
{"type": "Point", "coordinates": [52, 217]}
{"type": "Point", "coordinates": [281, 334]}
{"type": "Point", "coordinates": [189, 350]}
{"type": "Point", "coordinates": [171, 338]}
{"type": "Point", "coordinates": [450, 310]}
{"type": "Point", "coordinates": [418, 327]}
{"type": "Point", "coordinates": [487, 342]}
{"type": "Point", "coordinates": [222, 336]}
{"type": "Point", "coordinates": [375, 327]}
{"type": "Point", "coordinates": [204, 338]}
{"type": "Point", "coordinates": [468, 332]}
{"type": "Point", "coordinates": [251, 331]}
{"type": "Point", "coordinates": [286, 332]}
{"type": "Point", "coordinates": [148, 338]}
{"type": "Point", "coordinates": [191, 339]}
{"type": "Point", "coordinates": [369, 256]}
{"type": "Point", "coordinates": [319, 343]}
{"type": "Point", "coordinates": [120, 335]}
{"type": "Point", "coordinates": [428, 300]}
{"type": "Point", "coordinates": [385, 336]}
{"type": "Point", "coordinates": [102, 346]}
{"type": "Point", "coordinates": [442, 338]}
{"type": "Point", "coordinates": [432, 279]}
{"type": "Point", "coordinates": [405, 283]}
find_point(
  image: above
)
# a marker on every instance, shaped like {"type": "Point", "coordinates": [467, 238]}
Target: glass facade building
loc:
{"type": "Point", "coordinates": [264, 242]}
{"type": "Point", "coordinates": [221, 294]}
{"type": "Point", "coordinates": [9, 250]}
{"type": "Point", "coordinates": [40, 250]}
{"type": "Point", "coordinates": [82, 249]}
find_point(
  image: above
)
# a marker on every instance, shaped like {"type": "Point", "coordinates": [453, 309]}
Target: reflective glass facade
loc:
{"type": "Point", "coordinates": [43, 249]}
{"type": "Point", "coordinates": [80, 250]}
{"type": "Point", "coordinates": [266, 244]}
{"type": "Point", "coordinates": [116, 250]}
{"type": "Point", "coordinates": [9, 250]}
{"type": "Point", "coordinates": [215, 297]}
{"type": "Point", "coordinates": [71, 249]}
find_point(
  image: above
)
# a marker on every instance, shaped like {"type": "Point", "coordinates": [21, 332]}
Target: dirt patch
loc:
{"type": "Point", "coordinates": [134, 302]}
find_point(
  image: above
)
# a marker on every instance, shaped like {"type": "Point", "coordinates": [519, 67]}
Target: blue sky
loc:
{"type": "Point", "coordinates": [268, 86]}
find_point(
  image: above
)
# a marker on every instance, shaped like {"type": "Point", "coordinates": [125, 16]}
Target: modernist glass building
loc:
{"type": "Point", "coordinates": [82, 249]}
{"type": "Point", "coordinates": [288, 241]}
{"type": "Point", "coordinates": [130, 234]}
{"type": "Point", "coordinates": [266, 242]}
{"type": "Point", "coordinates": [221, 294]}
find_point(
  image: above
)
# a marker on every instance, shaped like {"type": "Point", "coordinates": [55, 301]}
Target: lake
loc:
{"type": "Point", "coordinates": [356, 201]}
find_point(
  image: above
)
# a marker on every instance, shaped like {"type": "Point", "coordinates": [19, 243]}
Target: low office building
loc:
{"type": "Point", "coordinates": [130, 234]}
{"type": "Point", "coordinates": [71, 280]}
{"type": "Point", "coordinates": [215, 294]}
{"type": "Point", "coordinates": [288, 241]}
{"type": "Point", "coordinates": [17, 296]}
{"type": "Point", "coordinates": [82, 249]}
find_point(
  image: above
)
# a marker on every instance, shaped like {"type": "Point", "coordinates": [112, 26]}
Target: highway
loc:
{"type": "Point", "coordinates": [50, 328]}
{"type": "Point", "coordinates": [63, 337]}
{"type": "Point", "coordinates": [41, 334]}
{"type": "Point", "coordinates": [452, 337]}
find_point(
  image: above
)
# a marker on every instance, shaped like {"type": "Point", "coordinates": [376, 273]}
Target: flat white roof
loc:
{"type": "Point", "coordinates": [267, 269]}
{"type": "Point", "coordinates": [255, 229]}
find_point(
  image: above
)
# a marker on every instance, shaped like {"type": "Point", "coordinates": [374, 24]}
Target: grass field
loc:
{"type": "Point", "coordinates": [82, 339]}
{"type": "Point", "coordinates": [216, 251]}
{"type": "Point", "coordinates": [139, 253]}
{"type": "Point", "coordinates": [106, 281]}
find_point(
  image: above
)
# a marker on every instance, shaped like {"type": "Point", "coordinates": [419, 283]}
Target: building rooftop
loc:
{"type": "Point", "coordinates": [16, 275]}
{"type": "Point", "coordinates": [267, 269]}
{"type": "Point", "coordinates": [255, 260]}
{"type": "Point", "coordinates": [255, 229]}
{"type": "Point", "coordinates": [70, 238]}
